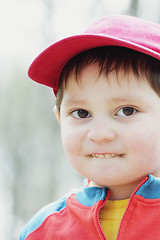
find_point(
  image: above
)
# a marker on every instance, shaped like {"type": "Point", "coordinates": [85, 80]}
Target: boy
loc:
{"type": "Point", "coordinates": [107, 84]}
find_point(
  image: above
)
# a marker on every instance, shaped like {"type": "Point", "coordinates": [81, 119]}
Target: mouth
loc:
{"type": "Point", "coordinates": [106, 155]}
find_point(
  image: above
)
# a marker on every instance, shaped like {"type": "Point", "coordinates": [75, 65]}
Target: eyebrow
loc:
{"type": "Point", "coordinates": [74, 101]}
{"type": "Point", "coordinates": [126, 98]}
{"type": "Point", "coordinates": [117, 99]}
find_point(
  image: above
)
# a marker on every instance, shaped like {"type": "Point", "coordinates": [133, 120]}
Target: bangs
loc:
{"type": "Point", "coordinates": [109, 59]}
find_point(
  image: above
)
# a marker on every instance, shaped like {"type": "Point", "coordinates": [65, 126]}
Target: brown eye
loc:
{"type": "Point", "coordinates": [81, 114]}
{"type": "Point", "coordinates": [126, 111]}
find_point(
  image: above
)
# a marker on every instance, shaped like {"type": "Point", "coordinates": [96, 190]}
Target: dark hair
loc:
{"type": "Point", "coordinates": [112, 58]}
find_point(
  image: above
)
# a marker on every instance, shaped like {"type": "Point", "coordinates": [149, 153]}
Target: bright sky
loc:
{"type": "Point", "coordinates": [22, 22]}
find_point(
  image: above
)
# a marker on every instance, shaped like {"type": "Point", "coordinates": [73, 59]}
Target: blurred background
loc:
{"type": "Point", "coordinates": [33, 166]}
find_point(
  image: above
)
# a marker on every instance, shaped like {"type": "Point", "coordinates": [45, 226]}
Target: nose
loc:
{"type": "Point", "coordinates": [101, 131]}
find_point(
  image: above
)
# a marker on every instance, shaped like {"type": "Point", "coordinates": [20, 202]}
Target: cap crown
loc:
{"type": "Point", "coordinates": [118, 30]}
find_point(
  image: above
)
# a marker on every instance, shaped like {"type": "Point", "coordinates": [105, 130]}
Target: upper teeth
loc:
{"type": "Point", "coordinates": [103, 155]}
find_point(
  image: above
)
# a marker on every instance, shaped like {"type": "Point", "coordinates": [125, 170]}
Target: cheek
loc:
{"type": "Point", "coordinates": [145, 143]}
{"type": "Point", "coordinates": [72, 140]}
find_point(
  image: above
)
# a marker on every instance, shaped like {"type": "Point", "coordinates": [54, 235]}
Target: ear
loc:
{"type": "Point", "coordinates": [57, 113]}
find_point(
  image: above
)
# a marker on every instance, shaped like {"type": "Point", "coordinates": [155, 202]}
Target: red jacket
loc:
{"type": "Point", "coordinates": [77, 216]}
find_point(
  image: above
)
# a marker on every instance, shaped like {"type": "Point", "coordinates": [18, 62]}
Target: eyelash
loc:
{"type": "Point", "coordinates": [126, 108]}
{"type": "Point", "coordinates": [76, 113]}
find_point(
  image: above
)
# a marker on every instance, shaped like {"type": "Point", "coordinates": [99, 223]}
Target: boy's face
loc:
{"type": "Point", "coordinates": [111, 129]}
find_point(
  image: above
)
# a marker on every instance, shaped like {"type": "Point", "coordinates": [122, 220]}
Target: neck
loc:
{"type": "Point", "coordinates": [125, 191]}
{"type": "Point", "coordinates": [122, 191]}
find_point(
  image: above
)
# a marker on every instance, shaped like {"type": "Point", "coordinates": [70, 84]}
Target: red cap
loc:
{"type": "Point", "coordinates": [117, 30]}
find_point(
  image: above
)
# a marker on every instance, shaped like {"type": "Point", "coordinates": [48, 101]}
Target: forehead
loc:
{"type": "Point", "coordinates": [109, 59]}
{"type": "Point", "coordinates": [91, 85]}
{"type": "Point", "coordinates": [93, 73]}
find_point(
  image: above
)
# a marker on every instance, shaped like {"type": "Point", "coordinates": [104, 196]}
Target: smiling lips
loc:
{"type": "Point", "coordinates": [107, 155]}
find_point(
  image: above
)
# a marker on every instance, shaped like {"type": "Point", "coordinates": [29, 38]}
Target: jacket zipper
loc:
{"type": "Point", "coordinates": [97, 216]}
{"type": "Point", "coordinates": [143, 181]}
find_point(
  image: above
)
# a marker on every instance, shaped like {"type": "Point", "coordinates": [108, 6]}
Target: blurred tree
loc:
{"type": "Point", "coordinates": [35, 157]}
{"type": "Point", "coordinates": [133, 8]}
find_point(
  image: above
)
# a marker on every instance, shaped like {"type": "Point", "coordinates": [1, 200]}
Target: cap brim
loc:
{"type": "Point", "coordinates": [46, 68]}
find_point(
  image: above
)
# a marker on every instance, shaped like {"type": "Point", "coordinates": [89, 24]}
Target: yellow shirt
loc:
{"type": "Point", "coordinates": [110, 217]}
